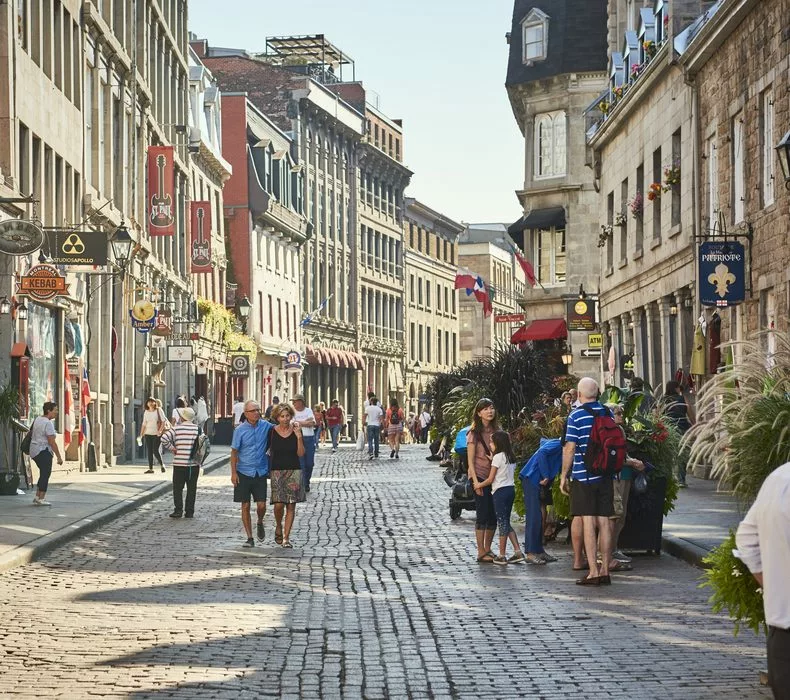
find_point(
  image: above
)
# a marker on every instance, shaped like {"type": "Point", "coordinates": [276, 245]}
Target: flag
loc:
{"type": "Point", "coordinates": [482, 295]}
{"type": "Point", "coordinates": [68, 403]}
{"type": "Point", "coordinates": [526, 265]}
{"type": "Point", "coordinates": [85, 399]}
{"type": "Point", "coordinates": [464, 279]}
{"type": "Point", "coordinates": [307, 319]}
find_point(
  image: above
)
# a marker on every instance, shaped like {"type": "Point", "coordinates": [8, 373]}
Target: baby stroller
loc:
{"type": "Point", "coordinates": [462, 496]}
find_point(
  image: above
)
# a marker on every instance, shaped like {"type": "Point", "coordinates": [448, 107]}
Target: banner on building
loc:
{"type": "Point", "coordinates": [200, 251]}
{"type": "Point", "coordinates": [580, 315]}
{"type": "Point", "coordinates": [161, 195]}
{"type": "Point", "coordinates": [239, 365]}
{"type": "Point", "coordinates": [510, 318]}
{"type": "Point", "coordinates": [722, 273]}
{"type": "Point", "coordinates": [77, 248]}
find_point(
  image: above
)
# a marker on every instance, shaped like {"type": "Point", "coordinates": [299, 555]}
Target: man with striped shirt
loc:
{"type": "Point", "coordinates": [592, 497]}
{"type": "Point", "coordinates": [180, 440]}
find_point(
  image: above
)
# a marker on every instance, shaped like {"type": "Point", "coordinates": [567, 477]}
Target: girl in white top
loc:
{"type": "Point", "coordinates": [503, 489]}
{"type": "Point", "coordinates": [152, 426]}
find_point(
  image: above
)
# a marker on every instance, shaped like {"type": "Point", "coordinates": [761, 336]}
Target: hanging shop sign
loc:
{"type": "Point", "coordinates": [580, 315]}
{"type": "Point", "coordinates": [161, 217]}
{"type": "Point", "coordinates": [179, 353]}
{"type": "Point", "coordinates": [19, 237]}
{"type": "Point", "coordinates": [293, 361]}
{"type": "Point", "coordinates": [143, 316]}
{"type": "Point", "coordinates": [722, 273]}
{"type": "Point", "coordinates": [201, 366]}
{"type": "Point", "coordinates": [77, 248]}
{"type": "Point", "coordinates": [239, 365]}
{"type": "Point", "coordinates": [164, 323]}
{"type": "Point", "coordinates": [42, 283]}
{"type": "Point", "coordinates": [595, 340]}
{"type": "Point", "coordinates": [200, 251]}
{"type": "Point", "coordinates": [510, 318]}
{"type": "Point", "coordinates": [627, 366]}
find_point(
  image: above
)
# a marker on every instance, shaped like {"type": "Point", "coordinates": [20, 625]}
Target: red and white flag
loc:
{"type": "Point", "coordinates": [526, 265]}
{"type": "Point", "coordinates": [85, 399]}
{"type": "Point", "coordinates": [465, 279]}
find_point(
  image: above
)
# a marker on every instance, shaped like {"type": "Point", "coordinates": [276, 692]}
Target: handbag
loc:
{"type": "Point", "coordinates": [360, 442]}
{"type": "Point", "coordinates": [640, 483]}
{"type": "Point", "coordinates": [25, 446]}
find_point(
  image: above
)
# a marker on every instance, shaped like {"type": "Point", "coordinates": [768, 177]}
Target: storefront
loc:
{"type": "Point", "coordinates": [45, 374]}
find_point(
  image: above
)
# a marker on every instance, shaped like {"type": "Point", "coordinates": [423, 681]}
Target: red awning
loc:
{"type": "Point", "coordinates": [543, 329]}
{"type": "Point", "coordinates": [311, 355]}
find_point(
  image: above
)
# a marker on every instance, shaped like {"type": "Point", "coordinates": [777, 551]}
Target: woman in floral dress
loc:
{"type": "Point", "coordinates": [285, 448]}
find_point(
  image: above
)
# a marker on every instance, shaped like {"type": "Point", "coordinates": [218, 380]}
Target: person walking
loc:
{"type": "Point", "coordinates": [503, 492]}
{"type": "Point", "coordinates": [372, 422]}
{"type": "Point", "coordinates": [180, 440]}
{"type": "Point", "coordinates": [306, 419]}
{"type": "Point", "coordinates": [425, 424]}
{"type": "Point", "coordinates": [592, 497]}
{"type": "Point", "coordinates": [237, 411]}
{"type": "Point", "coordinates": [318, 412]}
{"type": "Point", "coordinates": [335, 417]}
{"type": "Point", "coordinates": [763, 541]}
{"type": "Point", "coordinates": [678, 413]}
{"type": "Point", "coordinates": [324, 426]}
{"type": "Point", "coordinates": [151, 428]}
{"type": "Point", "coordinates": [394, 423]}
{"type": "Point", "coordinates": [43, 445]}
{"type": "Point", "coordinates": [479, 455]}
{"type": "Point", "coordinates": [249, 467]}
{"type": "Point", "coordinates": [271, 407]}
{"type": "Point", "coordinates": [286, 447]}
{"type": "Point", "coordinates": [181, 403]}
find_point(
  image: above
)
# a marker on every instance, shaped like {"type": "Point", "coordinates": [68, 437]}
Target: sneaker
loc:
{"type": "Point", "coordinates": [397, 456]}
{"type": "Point", "coordinates": [547, 557]}
{"type": "Point", "coordinates": [617, 554]}
{"type": "Point", "coordinates": [175, 514]}
{"type": "Point", "coordinates": [502, 561]}
{"type": "Point", "coordinates": [261, 532]}
{"type": "Point", "coordinates": [392, 454]}
{"type": "Point", "coordinates": [334, 449]}
{"type": "Point", "coordinates": [517, 558]}
{"type": "Point", "coordinates": [249, 543]}
{"type": "Point", "coordinates": [189, 515]}
{"type": "Point", "coordinates": [163, 469]}
{"type": "Point", "coordinates": [148, 471]}
{"type": "Point", "coordinates": [41, 502]}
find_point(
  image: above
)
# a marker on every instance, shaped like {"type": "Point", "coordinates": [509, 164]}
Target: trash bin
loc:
{"type": "Point", "coordinates": [351, 428]}
{"type": "Point", "coordinates": [644, 521]}
{"type": "Point", "coordinates": [223, 431]}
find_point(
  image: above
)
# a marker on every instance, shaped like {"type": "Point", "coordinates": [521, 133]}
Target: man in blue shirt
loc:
{"type": "Point", "coordinates": [249, 467]}
{"type": "Point", "coordinates": [592, 497]}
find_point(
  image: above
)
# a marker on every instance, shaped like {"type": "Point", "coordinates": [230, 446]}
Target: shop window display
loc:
{"type": "Point", "coordinates": [42, 342]}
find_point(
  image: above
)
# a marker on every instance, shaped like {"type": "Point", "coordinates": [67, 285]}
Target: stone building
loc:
{"type": "Point", "coordinates": [556, 68]}
{"type": "Point", "coordinates": [431, 263]}
{"type": "Point", "coordinates": [485, 250]}
{"type": "Point", "coordinates": [736, 59]}
{"type": "Point", "coordinates": [643, 159]}
{"type": "Point", "coordinates": [289, 84]}
{"type": "Point", "coordinates": [267, 226]}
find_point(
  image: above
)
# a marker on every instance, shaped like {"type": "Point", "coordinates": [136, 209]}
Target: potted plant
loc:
{"type": "Point", "coordinates": [620, 219]}
{"type": "Point", "coordinates": [9, 414]}
{"type": "Point", "coordinates": [637, 205]}
{"type": "Point", "coordinates": [606, 234]}
{"type": "Point", "coordinates": [650, 49]}
{"type": "Point", "coordinates": [671, 176]}
{"type": "Point", "coordinates": [654, 191]}
{"type": "Point", "coordinates": [604, 106]}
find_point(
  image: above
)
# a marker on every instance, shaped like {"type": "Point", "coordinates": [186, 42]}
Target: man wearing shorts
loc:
{"type": "Point", "coordinates": [249, 467]}
{"type": "Point", "coordinates": [592, 497]}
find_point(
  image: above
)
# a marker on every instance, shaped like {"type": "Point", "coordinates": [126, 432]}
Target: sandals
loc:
{"type": "Point", "coordinates": [287, 544]}
{"type": "Point", "coordinates": [620, 566]}
{"type": "Point", "coordinates": [487, 558]}
{"type": "Point", "coordinates": [278, 534]}
{"type": "Point", "coordinates": [589, 581]}
{"type": "Point", "coordinates": [535, 559]}
{"type": "Point", "coordinates": [586, 567]}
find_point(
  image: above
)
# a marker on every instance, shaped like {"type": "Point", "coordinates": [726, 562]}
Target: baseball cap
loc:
{"type": "Point", "coordinates": [299, 397]}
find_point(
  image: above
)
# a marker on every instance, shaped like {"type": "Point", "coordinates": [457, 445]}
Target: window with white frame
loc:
{"type": "Point", "coordinates": [550, 144]}
{"type": "Point", "coordinates": [738, 184]}
{"type": "Point", "coordinates": [535, 28]}
{"type": "Point", "coordinates": [549, 256]}
{"type": "Point", "coordinates": [767, 114]}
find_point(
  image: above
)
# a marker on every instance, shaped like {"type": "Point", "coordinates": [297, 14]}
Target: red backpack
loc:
{"type": "Point", "coordinates": [606, 448]}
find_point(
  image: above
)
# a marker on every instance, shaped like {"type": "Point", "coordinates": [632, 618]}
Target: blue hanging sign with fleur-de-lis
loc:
{"type": "Point", "coordinates": [722, 273]}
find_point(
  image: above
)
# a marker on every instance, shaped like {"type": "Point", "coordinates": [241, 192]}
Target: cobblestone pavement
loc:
{"type": "Point", "coordinates": [381, 597]}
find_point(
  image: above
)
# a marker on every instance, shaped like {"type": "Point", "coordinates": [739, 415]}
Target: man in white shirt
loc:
{"type": "Point", "coordinates": [372, 423]}
{"type": "Point", "coordinates": [425, 423]}
{"type": "Point", "coordinates": [238, 411]}
{"type": "Point", "coordinates": [306, 418]}
{"type": "Point", "coordinates": [763, 540]}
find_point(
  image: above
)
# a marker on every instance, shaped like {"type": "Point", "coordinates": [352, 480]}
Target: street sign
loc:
{"type": "Point", "coordinates": [722, 273]}
{"type": "Point", "coordinates": [293, 361]}
{"type": "Point", "coordinates": [591, 352]}
{"type": "Point", "coordinates": [509, 318]}
{"type": "Point", "coordinates": [42, 283]}
{"type": "Point", "coordinates": [240, 365]}
{"type": "Point", "coordinates": [595, 340]}
{"type": "Point", "coordinates": [77, 248]}
{"type": "Point", "coordinates": [580, 315]}
{"type": "Point", "coordinates": [179, 353]}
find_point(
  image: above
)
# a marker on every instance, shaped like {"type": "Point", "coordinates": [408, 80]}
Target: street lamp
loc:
{"type": "Point", "coordinates": [783, 149]}
{"type": "Point", "coordinates": [16, 308]}
{"type": "Point", "coordinates": [417, 369]}
{"type": "Point", "coordinates": [567, 358]}
{"type": "Point", "coordinates": [5, 306]}
{"type": "Point", "coordinates": [121, 242]}
{"type": "Point", "coordinates": [244, 308]}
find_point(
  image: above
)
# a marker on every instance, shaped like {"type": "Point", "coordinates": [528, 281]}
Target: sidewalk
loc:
{"type": "Point", "coordinates": [701, 521]}
{"type": "Point", "coordinates": [81, 501]}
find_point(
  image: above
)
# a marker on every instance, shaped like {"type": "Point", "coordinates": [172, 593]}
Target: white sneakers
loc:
{"type": "Point", "coordinates": [40, 502]}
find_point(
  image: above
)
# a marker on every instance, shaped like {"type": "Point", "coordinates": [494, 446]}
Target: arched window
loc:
{"type": "Point", "coordinates": [550, 144]}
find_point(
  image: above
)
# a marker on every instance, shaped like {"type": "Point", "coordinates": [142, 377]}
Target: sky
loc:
{"type": "Point", "coordinates": [437, 64]}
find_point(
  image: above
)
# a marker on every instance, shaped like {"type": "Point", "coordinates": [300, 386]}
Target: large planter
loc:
{"type": "Point", "coordinates": [644, 521]}
{"type": "Point", "coordinates": [9, 483]}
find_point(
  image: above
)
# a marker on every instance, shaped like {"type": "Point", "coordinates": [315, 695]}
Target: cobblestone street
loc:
{"type": "Point", "coordinates": [381, 597]}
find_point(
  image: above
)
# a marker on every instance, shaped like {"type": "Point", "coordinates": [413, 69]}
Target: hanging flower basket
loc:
{"type": "Point", "coordinates": [637, 205]}
{"type": "Point", "coordinates": [620, 219]}
{"type": "Point", "coordinates": [607, 232]}
{"type": "Point", "coordinates": [671, 176]}
{"type": "Point", "coordinates": [650, 49]}
{"type": "Point", "coordinates": [604, 106]}
{"type": "Point", "coordinates": [636, 69]}
{"type": "Point", "coordinates": [654, 191]}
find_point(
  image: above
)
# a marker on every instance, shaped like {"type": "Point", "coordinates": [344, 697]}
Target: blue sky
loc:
{"type": "Point", "coordinates": [437, 64]}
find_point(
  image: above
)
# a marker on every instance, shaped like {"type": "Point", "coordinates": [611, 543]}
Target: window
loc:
{"type": "Point", "coordinates": [657, 175]}
{"type": "Point", "coordinates": [624, 227]}
{"type": "Point", "coordinates": [438, 297]}
{"type": "Point", "coordinates": [419, 291]}
{"type": "Point", "coordinates": [550, 256]}
{"type": "Point", "coordinates": [536, 29]}
{"type": "Point", "coordinates": [549, 150]}
{"type": "Point", "coordinates": [411, 288]}
{"type": "Point", "coordinates": [271, 316]}
{"type": "Point", "coordinates": [610, 224]}
{"type": "Point", "coordinates": [427, 294]}
{"type": "Point", "coordinates": [675, 170]}
{"type": "Point", "coordinates": [768, 153]}
{"type": "Point", "coordinates": [640, 189]}
{"type": "Point", "coordinates": [419, 344]}
{"type": "Point", "coordinates": [412, 340]}
{"type": "Point", "coordinates": [738, 191]}
{"type": "Point", "coordinates": [713, 182]}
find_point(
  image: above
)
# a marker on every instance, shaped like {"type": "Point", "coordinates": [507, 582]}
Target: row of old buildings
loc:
{"type": "Point", "coordinates": [182, 219]}
{"type": "Point", "coordinates": [653, 149]}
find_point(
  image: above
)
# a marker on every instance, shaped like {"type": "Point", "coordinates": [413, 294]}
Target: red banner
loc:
{"type": "Point", "coordinates": [200, 250]}
{"type": "Point", "coordinates": [161, 195]}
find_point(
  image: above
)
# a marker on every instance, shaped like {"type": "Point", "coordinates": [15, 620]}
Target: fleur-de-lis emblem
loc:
{"type": "Point", "coordinates": [722, 278]}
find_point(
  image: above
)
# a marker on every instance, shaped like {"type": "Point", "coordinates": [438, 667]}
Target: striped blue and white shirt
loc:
{"type": "Point", "coordinates": [180, 440]}
{"type": "Point", "coordinates": [580, 423]}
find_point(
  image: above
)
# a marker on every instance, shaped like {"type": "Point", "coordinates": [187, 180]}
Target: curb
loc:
{"type": "Point", "coordinates": [683, 549]}
{"type": "Point", "coordinates": [31, 551]}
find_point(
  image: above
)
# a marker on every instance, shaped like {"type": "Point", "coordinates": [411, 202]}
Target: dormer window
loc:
{"type": "Point", "coordinates": [535, 30]}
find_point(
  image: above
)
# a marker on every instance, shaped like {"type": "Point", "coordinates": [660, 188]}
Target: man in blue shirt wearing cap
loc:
{"type": "Point", "coordinates": [249, 467]}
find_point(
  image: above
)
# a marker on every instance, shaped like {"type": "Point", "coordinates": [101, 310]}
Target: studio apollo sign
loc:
{"type": "Point", "coordinates": [42, 283]}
